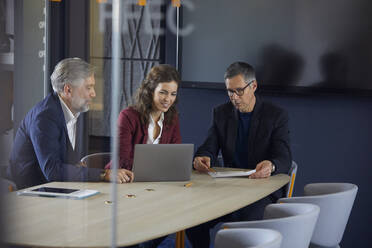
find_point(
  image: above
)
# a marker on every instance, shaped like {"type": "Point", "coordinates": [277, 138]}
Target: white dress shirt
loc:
{"type": "Point", "coordinates": [150, 130]}
{"type": "Point", "coordinates": [70, 119]}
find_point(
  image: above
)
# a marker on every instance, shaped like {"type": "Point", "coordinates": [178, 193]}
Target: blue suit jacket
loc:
{"type": "Point", "coordinates": [39, 150]}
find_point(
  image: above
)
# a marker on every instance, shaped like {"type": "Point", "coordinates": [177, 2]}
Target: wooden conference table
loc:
{"type": "Point", "coordinates": [158, 209]}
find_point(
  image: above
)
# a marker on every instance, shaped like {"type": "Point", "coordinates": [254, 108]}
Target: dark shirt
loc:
{"type": "Point", "coordinates": [241, 144]}
{"type": "Point", "coordinates": [268, 138]}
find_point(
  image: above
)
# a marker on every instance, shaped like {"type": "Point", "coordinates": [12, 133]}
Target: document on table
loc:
{"type": "Point", "coordinates": [233, 173]}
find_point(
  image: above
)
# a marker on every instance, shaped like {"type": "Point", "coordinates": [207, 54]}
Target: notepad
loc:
{"type": "Point", "coordinates": [234, 173]}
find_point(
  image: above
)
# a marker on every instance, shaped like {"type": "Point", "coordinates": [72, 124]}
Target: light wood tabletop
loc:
{"type": "Point", "coordinates": [158, 209]}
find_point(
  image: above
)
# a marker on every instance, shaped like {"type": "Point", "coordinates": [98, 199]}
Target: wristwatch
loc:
{"type": "Point", "coordinates": [273, 168]}
{"type": "Point", "coordinates": [102, 175]}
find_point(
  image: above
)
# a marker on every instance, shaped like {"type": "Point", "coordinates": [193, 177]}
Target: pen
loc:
{"type": "Point", "coordinates": [188, 185]}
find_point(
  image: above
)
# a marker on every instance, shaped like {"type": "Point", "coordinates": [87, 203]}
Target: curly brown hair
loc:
{"type": "Point", "coordinates": [145, 94]}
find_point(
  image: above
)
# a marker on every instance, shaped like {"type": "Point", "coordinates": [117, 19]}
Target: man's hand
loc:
{"type": "Point", "coordinates": [123, 176]}
{"type": "Point", "coordinates": [202, 164]}
{"type": "Point", "coordinates": [82, 164]}
{"type": "Point", "coordinates": [263, 170]}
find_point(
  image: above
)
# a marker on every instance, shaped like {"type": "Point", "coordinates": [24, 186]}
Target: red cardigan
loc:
{"type": "Point", "coordinates": [132, 132]}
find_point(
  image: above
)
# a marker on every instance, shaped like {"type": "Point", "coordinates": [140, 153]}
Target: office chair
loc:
{"type": "Point", "coordinates": [96, 160]}
{"type": "Point", "coordinates": [292, 173]}
{"type": "Point", "coordinates": [335, 201]}
{"type": "Point", "coordinates": [289, 188]}
{"type": "Point", "coordinates": [248, 238]}
{"type": "Point", "coordinates": [295, 222]}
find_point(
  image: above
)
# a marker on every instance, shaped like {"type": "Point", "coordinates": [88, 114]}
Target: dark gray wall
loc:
{"type": "Point", "coordinates": [331, 141]}
{"type": "Point", "coordinates": [330, 134]}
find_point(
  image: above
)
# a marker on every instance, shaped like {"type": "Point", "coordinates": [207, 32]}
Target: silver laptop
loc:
{"type": "Point", "coordinates": [162, 162]}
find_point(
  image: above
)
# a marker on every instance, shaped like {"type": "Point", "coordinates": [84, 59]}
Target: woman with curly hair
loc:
{"type": "Point", "coordinates": [153, 119]}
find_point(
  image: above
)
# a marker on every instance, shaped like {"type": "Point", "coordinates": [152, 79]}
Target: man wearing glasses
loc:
{"type": "Point", "coordinates": [251, 134]}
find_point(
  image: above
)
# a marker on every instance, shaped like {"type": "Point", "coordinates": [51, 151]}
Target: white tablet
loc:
{"type": "Point", "coordinates": [59, 192]}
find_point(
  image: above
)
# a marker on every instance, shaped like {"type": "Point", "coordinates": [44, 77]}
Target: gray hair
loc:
{"type": "Point", "coordinates": [71, 70]}
{"type": "Point", "coordinates": [240, 68]}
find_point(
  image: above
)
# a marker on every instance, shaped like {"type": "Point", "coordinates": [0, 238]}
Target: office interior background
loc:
{"type": "Point", "coordinates": [330, 116]}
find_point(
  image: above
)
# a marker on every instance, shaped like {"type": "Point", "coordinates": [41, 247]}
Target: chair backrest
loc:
{"type": "Point", "coordinates": [295, 222]}
{"type": "Point", "coordinates": [292, 173]}
{"type": "Point", "coordinates": [97, 160]}
{"type": "Point", "coordinates": [335, 201]}
{"type": "Point", "coordinates": [248, 238]}
{"type": "Point", "coordinates": [6, 186]}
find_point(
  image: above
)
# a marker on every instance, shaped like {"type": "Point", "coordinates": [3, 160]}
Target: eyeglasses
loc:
{"type": "Point", "coordinates": [238, 91]}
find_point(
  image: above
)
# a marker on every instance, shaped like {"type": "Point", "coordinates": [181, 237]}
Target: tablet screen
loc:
{"type": "Point", "coordinates": [55, 190]}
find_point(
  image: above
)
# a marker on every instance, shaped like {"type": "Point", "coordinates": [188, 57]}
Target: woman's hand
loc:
{"type": "Point", "coordinates": [123, 176]}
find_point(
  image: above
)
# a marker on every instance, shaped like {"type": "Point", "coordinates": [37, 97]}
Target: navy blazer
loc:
{"type": "Point", "coordinates": [268, 137]}
{"type": "Point", "coordinates": [40, 146]}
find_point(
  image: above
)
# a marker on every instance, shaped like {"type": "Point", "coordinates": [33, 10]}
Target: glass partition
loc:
{"type": "Point", "coordinates": [124, 40]}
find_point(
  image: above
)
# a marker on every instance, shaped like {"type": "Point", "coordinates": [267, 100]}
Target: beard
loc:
{"type": "Point", "coordinates": [80, 105]}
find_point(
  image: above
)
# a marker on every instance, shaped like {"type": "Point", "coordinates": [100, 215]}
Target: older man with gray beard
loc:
{"type": "Point", "coordinates": [44, 148]}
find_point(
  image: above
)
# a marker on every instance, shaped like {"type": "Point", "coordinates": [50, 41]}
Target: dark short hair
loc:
{"type": "Point", "coordinates": [240, 68]}
{"type": "Point", "coordinates": [145, 94]}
